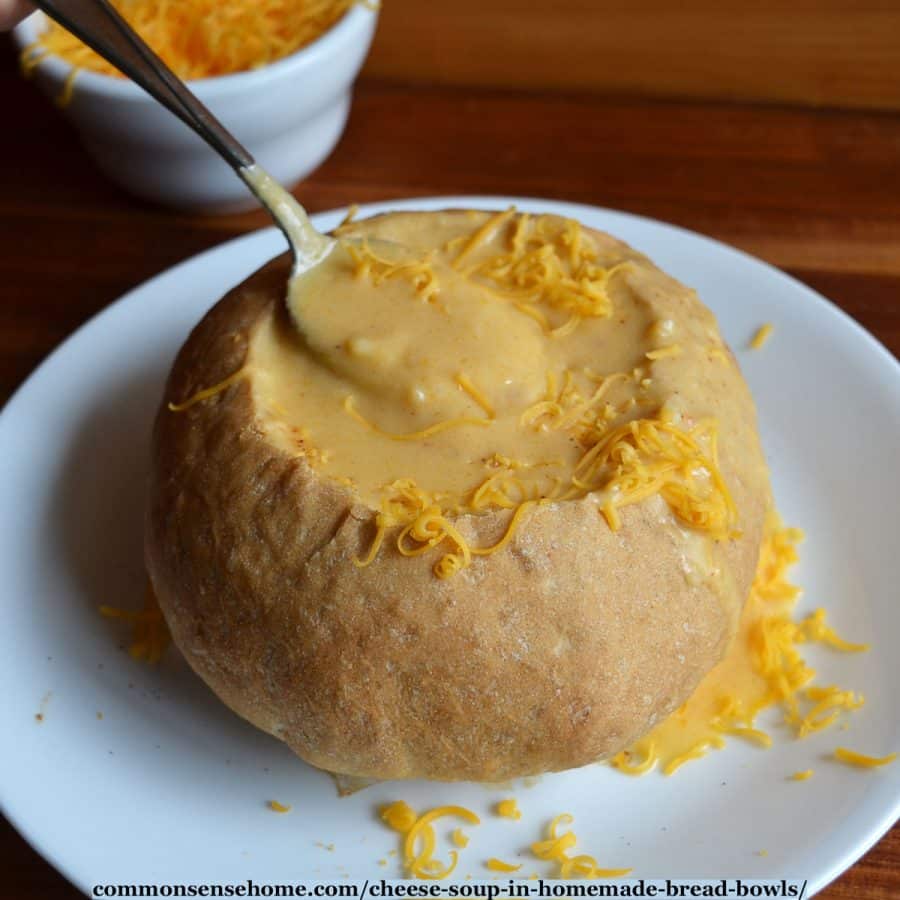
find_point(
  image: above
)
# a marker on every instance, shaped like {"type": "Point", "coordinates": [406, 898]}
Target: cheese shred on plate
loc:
{"type": "Point", "coordinates": [459, 838]}
{"type": "Point", "coordinates": [150, 634]}
{"type": "Point", "coordinates": [555, 848]}
{"type": "Point", "coordinates": [419, 839]}
{"type": "Point", "coordinates": [204, 38]}
{"type": "Point", "coordinates": [419, 844]}
{"type": "Point", "coordinates": [763, 333]}
{"type": "Point", "coordinates": [852, 758]}
{"type": "Point", "coordinates": [509, 809]}
{"type": "Point", "coordinates": [498, 865]}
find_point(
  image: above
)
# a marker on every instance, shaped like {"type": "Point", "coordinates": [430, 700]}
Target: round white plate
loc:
{"type": "Point", "coordinates": [169, 786]}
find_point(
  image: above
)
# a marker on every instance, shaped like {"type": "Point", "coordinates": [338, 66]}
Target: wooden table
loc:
{"type": "Point", "coordinates": [815, 192]}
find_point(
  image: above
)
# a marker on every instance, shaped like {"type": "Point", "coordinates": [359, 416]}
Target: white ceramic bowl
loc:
{"type": "Point", "coordinates": [289, 115]}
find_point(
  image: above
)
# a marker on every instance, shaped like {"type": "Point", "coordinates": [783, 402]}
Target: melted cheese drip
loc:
{"type": "Point", "coordinates": [763, 668]}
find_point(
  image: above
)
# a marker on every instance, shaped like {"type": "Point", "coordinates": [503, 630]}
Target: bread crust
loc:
{"type": "Point", "coordinates": [557, 651]}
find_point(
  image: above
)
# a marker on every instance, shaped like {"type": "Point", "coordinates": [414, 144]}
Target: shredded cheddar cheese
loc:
{"type": "Point", "coordinates": [465, 383]}
{"type": "Point", "coordinates": [622, 466]}
{"type": "Point", "coordinates": [205, 38]}
{"type": "Point", "coordinates": [776, 556]}
{"type": "Point", "coordinates": [459, 838]}
{"type": "Point", "coordinates": [419, 272]}
{"type": "Point", "coordinates": [30, 58]}
{"type": "Point", "coordinates": [763, 333]}
{"type": "Point", "coordinates": [637, 760]}
{"type": "Point", "coordinates": [497, 865]}
{"type": "Point", "coordinates": [698, 751]}
{"type": "Point", "coordinates": [400, 816]}
{"type": "Point", "coordinates": [432, 430]}
{"type": "Point", "coordinates": [206, 393]}
{"type": "Point", "coordinates": [814, 628]}
{"type": "Point", "coordinates": [555, 848]}
{"type": "Point", "coordinates": [352, 213]}
{"type": "Point", "coordinates": [564, 408]}
{"type": "Point", "coordinates": [483, 234]}
{"type": "Point", "coordinates": [647, 457]}
{"type": "Point", "coordinates": [829, 702]}
{"type": "Point", "coordinates": [150, 634]}
{"type": "Point", "coordinates": [419, 839]}
{"type": "Point", "coordinates": [860, 760]}
{"type": "Point", "coordinates": [275, 806]}
{"type": "Point", "coordinates": [406, 505]}
{"type": "Point", "coordinates": [754, 735]}
{"type": "Point", "coordinates": [68, 90]}
{"type": "Point", "coordinates": [637, 460]}
{"type": "Point", "coordinates": [509, 809]}
{"type": "Point", "coordinates": [547, 263]}
{"type": "Point", "coordinates": [424, 525]}
{"type": "Point", "coordinates": [802, 776]}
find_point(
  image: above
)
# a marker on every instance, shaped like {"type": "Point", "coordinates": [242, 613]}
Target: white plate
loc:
{"type": "Point", "coordinates": [170, 786]}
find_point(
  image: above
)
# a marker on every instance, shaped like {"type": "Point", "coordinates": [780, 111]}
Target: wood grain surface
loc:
{"type": "Point", "coordinates": [814, 192]}
{"type": "Point", "coordinates": [818, 52]}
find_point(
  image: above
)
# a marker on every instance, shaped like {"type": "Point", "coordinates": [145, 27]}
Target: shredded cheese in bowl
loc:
{"type": "Point", "coordinates": [204, 38]}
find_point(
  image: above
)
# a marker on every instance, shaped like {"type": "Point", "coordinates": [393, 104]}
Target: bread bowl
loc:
{"type": "Point", "coordinates": [487, 639]}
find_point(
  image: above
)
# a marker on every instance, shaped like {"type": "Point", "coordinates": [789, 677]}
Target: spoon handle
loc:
{"type": "Point", "coordinates": [97, 24]}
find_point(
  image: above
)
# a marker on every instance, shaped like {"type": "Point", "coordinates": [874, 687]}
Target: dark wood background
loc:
{"type": "Point", "coordinates": [810, 52]}
{"type": "Point", "coordinates": [812, 187]}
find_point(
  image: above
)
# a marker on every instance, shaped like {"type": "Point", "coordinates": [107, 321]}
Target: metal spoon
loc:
{"type": "Point", "coordinates": [97, 24]}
